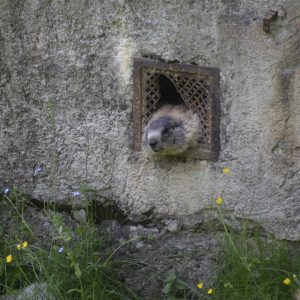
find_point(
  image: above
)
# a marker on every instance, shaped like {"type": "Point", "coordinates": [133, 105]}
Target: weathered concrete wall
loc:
{"type": "Point", "coordinates": [66, 104]}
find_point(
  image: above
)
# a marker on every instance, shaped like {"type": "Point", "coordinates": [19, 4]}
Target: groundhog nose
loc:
{"type": "Point", "coordinates": [153, 143]}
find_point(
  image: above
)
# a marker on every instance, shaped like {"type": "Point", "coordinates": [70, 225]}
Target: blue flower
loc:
{"type": "Point", "coordinates": [6, 191]}
{"type": "Point", "coordinates": [77, 193]}
{"type": "Point", "coordinates": [60, 250]}
{"type": "Point", "coordinates": [38, 170]}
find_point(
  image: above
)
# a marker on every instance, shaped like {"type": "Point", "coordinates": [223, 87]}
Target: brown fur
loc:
{"type": "Point", "coordinates": [190, 129]}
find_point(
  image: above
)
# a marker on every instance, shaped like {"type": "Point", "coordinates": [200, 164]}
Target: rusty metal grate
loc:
{"type": "Point", "coordinates": [198, 88]}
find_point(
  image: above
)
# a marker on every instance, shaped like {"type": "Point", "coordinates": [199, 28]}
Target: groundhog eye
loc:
{"type": "Point", "coordinates": [165, 131]}
{"type": "Point", "coordinates": [175, 125]}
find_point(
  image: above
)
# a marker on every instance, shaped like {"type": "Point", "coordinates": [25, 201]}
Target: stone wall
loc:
{"type": "Point", "coordinates": [66, 105]}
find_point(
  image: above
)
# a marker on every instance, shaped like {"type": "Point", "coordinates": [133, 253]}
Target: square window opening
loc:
{"type": "Point", "coordinates": [157, 84]}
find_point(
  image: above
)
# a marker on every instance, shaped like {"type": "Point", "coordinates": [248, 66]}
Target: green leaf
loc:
{"type": "Point", "coordinates": [171, 277]}
{"type": "Point", "coordinates": [77, 270]}
{"type": "Point", "coordinates": [167, 288]}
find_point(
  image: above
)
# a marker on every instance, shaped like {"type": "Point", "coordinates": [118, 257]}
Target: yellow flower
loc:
{"type": "Point", "coordinates": [18, 247]}
{"type": "Point", "coordinates": [219, 200]}
{"type": "Point", "coordinates": [9, 258]}
{"type": "Point", "coordinates": [287, 281]}
{"type": "Point", "coordinates": [24, 244]}
{"type": "Point", "coordinates": [210, 291]}
{"type": "Point", "coordinates": [226, 171]}
{"type": "Point", "coordinates": [200, 285]}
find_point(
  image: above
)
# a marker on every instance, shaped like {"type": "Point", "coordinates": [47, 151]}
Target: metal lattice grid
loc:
{"type": "Point", "coordinates": [195, 94]}
{"type": "Point", "coordinates": [151, 94]}
{"type": "Point", "coordinates": [198, 88]}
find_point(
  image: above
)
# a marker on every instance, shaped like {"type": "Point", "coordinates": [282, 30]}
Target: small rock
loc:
{"type": "Point", "coordinates": [37, 291]}
{"type": "Point", "coordinates": [140, 245]}
{"type": "Point", "coordinates": [172, 225]}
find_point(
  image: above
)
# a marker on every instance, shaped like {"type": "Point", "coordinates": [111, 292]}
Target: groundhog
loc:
{"type": "Point", "coordinates": [171, 131]}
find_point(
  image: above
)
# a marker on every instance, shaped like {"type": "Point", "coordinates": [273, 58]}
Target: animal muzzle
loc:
{"type": "Point", "coordinates": [154, 144]}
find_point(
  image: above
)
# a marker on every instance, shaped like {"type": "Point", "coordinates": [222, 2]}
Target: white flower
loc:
{"type": "Point", "coordinates": [77, 193]}
{"type": "Point", "coordinates": [38, 170]}
{"type": "Point", "coordinates": [6, 191]}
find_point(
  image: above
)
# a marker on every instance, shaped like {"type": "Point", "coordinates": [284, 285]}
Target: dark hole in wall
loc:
{"type": "Point", "coordinates": [168, 92]}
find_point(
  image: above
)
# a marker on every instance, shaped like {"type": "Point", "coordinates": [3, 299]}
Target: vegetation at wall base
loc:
{"type": "Point", "coordinates": [257, 266]}
{"type": "Point", "coordinates": [79, 263]}
{"type": "Point", "coordinates": [254, 266]}
{"type": "Point", "coordinates": [76, 265]}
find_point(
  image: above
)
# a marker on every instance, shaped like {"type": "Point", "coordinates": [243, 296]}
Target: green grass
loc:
{"type": "Point", "coordinates": [253, 266]}
{"type": "Point", "coordinates": [86, 269]}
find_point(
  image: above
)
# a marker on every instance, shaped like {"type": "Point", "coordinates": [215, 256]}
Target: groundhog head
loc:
{"type": "Point", "coordinates": [171, 131]}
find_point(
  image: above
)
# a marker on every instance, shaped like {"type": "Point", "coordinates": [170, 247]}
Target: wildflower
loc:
{"type": "Point", "coordinates": [219, 200]}
{"type": "Point", "coordinates": [9, 258]}
{"type": "Point", "coordinates": [22, 245]}
{"type": "Point", "coordinates": [6, 191]}
{"type": "Point", "coordinates": [60, 250]}
{"type": "Point", "coordinates": [287, 281]}
{"type": "Point", "coordinates": [77, 193]}
{"type": "Point", "coordinates": [200, 285]}
{"type": "Point", "coordinates": [226, 170]}
{"type": "Point", "coordinates": [37, 170]}
{"type": "Point", "coordinates": [210, 291]}
{"type": "Point", "coordinates": [294, 276]}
